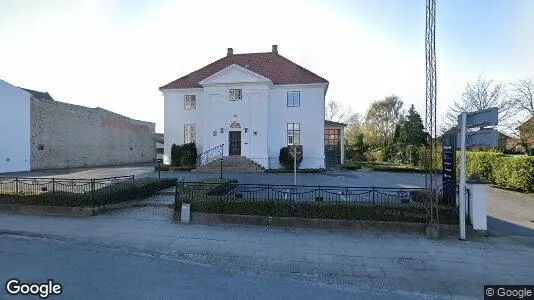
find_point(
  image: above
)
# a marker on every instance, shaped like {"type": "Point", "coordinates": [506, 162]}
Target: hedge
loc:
{"type": "Point", "coordinates": [323, 210]}
{"type": "Point", "coordinates": [107, 195]}
{"type": "Point", "coordinates": [512, 172]}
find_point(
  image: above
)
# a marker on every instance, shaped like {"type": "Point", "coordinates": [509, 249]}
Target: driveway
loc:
{"type": "Point", "coordinates": [510, 213]}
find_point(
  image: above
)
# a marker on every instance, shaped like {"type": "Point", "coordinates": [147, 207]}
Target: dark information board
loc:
{"type": "Point", "coordinates": [449, 168]}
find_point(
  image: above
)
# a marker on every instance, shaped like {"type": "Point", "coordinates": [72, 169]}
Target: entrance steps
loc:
{"type": "Point", "coordinates": [231, 163]}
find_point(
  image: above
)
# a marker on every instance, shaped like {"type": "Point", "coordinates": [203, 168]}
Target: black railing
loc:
{"type": "Point", "coordinates": [56, 191]}
{"type": "Point", "coordinates": [196, 191]}
{"type": "Point", "coordinates": [210, 155]}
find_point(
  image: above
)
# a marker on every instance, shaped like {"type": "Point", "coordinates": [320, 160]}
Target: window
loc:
{"type": "Point", "coordinates": [190, 102]}
{"type": "Point", "coordinates": [332, 137]}
{"type": "Point", "coordinates": [189, 133]}
{"type": "Point", "coordinates": [234, 95]}
{"type": "Point", "coordinates": [293, 133]}
{"type": "Point", "coordinates": [159, 150]}
{"type": "Point", "coordinates": [293, 99]}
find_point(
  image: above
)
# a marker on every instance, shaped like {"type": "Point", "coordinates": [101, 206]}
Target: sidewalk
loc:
{"type": "Point", "coordinates": [388, 262]}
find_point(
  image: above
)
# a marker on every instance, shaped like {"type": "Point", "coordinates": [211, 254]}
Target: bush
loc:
{"type": "Point", "coordinates": [514, 173]}
{"type": "Point", "coordinates": [184, 155]}
{"type": "Point", "coordinates": [103, 196]}
{"type": "Point", "coordinates": [286, 158]}
{"type": "Point", "coordinates": [322, 210]}
{"type": "Point", "coordinates": [351, 164]}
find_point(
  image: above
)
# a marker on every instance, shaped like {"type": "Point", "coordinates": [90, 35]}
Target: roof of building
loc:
{"type": "Point", "coordinates": [332, 123]}
{"type": "Point", "coordinates": [272, 65]}
{"type": "Point", "coordinates": [39, 95]}
{"type": "Point", "coordinates": [527, 122]}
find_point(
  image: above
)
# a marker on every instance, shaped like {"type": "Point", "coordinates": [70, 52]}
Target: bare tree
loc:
{"type": "Point", "coordinates": [337, 112]}
{"type": "Point", "coordinates": [523, 93]}
{"type": "Point", "coordinates": [480, 95]}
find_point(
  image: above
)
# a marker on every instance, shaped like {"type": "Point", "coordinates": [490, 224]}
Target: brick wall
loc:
{"type": "Point", "coordinates": [65, 135]}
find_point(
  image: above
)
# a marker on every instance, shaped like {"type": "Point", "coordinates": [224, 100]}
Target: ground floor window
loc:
{"type": "Point", "coordinates": [189, 133]}
{"type": "Point", "coordinates": [293, 133]}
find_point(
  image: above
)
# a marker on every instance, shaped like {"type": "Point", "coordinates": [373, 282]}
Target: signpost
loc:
{"type": "Point", "coordinates": [449, 168]}
{"type": "Point", "coordinates": [481, 138]}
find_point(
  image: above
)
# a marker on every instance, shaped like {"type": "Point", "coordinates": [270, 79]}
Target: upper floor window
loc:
{"type": "Point", "coordinates": [293, 133]}
{"type": "Point", "coordinates": [190, 102]}
{"type": "Point", "coordinates": [234, 94]}
{"type": "Point", "coordinates": [190, 131]}
{"type": "Point", "coordinates": [293, 99]}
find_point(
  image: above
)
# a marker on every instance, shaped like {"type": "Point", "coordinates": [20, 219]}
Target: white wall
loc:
{"type": "Point", "coordinates": [310, 115]}
{"type": "Point", "coordinates": [176, 116]}
{"type": "Point", "coordinates": [14, 128]}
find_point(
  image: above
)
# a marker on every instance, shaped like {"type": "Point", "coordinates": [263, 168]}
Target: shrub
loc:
{"type": "Point", "coordinates": [286, 158]}
{"type": "Point", "coordinates": [184, 155]}
{"type": "Point", "coordinates": [351, 164]}
{"type": "Point", "coordinates": [322, 210]}
{"type": "Point", "coordinates": [107, 195]}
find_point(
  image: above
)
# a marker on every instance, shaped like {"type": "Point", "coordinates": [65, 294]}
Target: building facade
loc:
{"type": "Point", "coordinates": [252, 104]}
{"type": "Point", "coordinates": [41, 133]}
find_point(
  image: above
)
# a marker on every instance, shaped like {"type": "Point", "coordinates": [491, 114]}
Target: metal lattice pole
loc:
{"type": "Point", "coordinates": [431, 178]}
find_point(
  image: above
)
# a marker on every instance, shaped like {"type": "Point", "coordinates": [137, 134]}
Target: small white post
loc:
{"type": "Point", "coordinates": [295, 165]}
{"type": "Point", "coordinates": [463, 160]}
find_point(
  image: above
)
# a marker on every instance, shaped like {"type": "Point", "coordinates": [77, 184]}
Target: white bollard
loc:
{"type": "Point", "coordinates": [186, 213]}
{"type": "Point", "coordinates": [478, 200]}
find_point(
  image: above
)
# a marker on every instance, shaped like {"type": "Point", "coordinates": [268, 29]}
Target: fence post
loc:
{"type": "Point", "coordinates": [133, 180]}
{"type": "Point", "coordinates": [93, 193]}
{"type": "Point", "coordinates": [176, 191]}
{"type": "Point", "coordinates": [53, 186]}
{"type": "Point", "coordinates": [17, 185]}
{"type": "Point", "coordinates": [373, 191]}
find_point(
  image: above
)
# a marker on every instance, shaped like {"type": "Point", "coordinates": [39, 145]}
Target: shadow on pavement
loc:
{"type": "Point", "coordinates": [500, 228]}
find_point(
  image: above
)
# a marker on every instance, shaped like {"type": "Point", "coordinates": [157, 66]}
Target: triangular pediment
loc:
{"type": "Point", "coordinates": [234, 74]}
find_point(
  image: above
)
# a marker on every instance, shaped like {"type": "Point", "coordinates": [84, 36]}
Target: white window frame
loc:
{"type": "Point", "coordinates": [293, 128]}
{"type": "Point", "coordinates": [190, 102]}
{"type": "Point", "coordinates": [235, 94]}
{"type": "Point", "coordinates": [292, 93]}
{"type": "Point", "coordinates": [190, 133]}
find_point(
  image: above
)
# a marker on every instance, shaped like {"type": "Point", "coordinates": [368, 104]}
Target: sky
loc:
{"type": "Point", "coordinates": [115, 54]}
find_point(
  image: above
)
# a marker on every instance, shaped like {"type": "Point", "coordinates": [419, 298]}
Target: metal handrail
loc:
{"type": "Point", "coordinates": [210, 155]}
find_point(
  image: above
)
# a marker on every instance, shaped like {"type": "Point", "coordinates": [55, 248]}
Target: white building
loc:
{"type": "Point", "coordinates": [252, 104]}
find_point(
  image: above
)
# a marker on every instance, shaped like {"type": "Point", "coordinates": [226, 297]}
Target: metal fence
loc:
{"type": "Point", "coordinates": [36, 186]}
{"type": "Point", "coordinates": [302, 193]}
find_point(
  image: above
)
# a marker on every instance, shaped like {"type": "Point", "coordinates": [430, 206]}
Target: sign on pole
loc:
{"type": "Point", "coordinates": [485, 138]}
{"type": "Point", "coordinates": [480, 138]}
{"type": "Point", "coordinates": [449, 168]}
{"type": "Point", "coordinates": [482, 118]}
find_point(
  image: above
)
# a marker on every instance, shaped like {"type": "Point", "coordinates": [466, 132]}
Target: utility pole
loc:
{"type": "Point", "coordinates": [431, 178]}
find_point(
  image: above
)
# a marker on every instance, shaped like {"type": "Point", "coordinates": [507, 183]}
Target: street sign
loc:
{"type": "Point", "coordinates": [482, 118]}
{"type": "Point", "coordinates": [449, 169]}
{"type": "Point", "coordinates": [482, 138]}
{"type": "Point", "coordinates": [485, 138]}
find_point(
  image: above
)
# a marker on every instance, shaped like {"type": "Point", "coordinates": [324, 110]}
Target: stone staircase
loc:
{"type": "Point", "coordinates": [231, 163]}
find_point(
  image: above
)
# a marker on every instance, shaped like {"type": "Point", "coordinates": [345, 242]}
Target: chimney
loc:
{"type": "Point", "coordinates": [230, 52]}
{"type": "Point", "coordinates": [275, 49]}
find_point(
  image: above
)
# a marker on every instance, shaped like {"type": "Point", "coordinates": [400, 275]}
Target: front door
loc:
{"type": "Point", "coordinates": [235, 142]}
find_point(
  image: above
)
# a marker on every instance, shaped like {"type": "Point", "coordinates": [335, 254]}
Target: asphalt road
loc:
{"type": "Point", "coordinates": [89, 272]}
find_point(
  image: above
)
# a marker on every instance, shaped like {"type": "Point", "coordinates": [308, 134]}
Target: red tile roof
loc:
{"type": "Point", "coordinates": [274, 66]}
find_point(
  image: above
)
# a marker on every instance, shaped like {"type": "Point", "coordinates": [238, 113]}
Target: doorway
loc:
{"type": "Point", "coordinates": [235, 142]}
